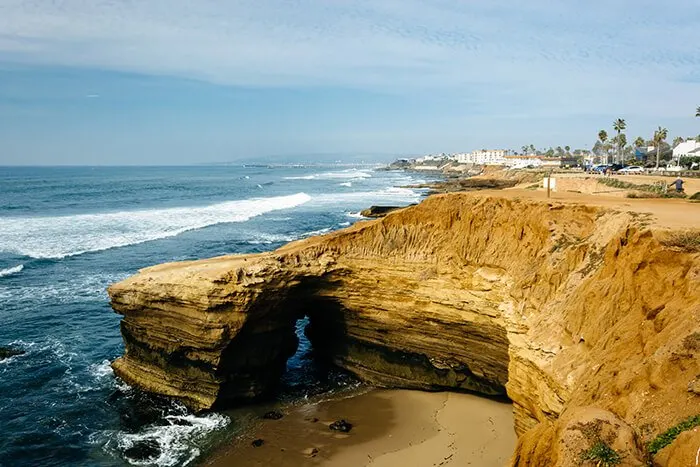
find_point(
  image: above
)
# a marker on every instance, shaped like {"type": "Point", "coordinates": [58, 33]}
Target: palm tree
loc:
{"type": "Point", "coordinates": [603, 137]}
{"type": "Point", "coordinates": [619, 125]}
{"type": "Point", "coordinates": [659, 136]}
{"type": "Point", "coordinates": [640, 143]}
{"type": "Point", "coordinates": [677, 140]}
{"type": "Point", "coordinates": [697, 112]}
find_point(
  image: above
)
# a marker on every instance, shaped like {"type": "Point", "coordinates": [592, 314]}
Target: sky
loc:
{"type": "Point", "coordinates": [179, 82]}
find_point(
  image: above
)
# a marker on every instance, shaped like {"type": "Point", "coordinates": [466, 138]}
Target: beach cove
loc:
{"type": "Point", "coordinates": [390, 428]}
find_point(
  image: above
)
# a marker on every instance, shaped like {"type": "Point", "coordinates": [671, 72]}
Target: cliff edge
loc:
{"type": "Point", "coordinates": [579, 314]}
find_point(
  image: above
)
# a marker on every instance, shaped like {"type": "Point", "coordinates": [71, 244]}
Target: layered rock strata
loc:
{"type": "Point", "coordinates": [580, 315]}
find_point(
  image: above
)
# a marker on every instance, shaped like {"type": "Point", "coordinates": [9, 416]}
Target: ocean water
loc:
{"type": "Point", "coordinates": [67, 233]}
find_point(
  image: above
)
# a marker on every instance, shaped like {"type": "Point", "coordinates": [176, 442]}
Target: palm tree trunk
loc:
{"type": "Point", "coordinates": [657, 156]}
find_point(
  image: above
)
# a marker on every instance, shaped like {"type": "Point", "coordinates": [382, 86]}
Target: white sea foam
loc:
{"type": "Point", "coordinates": [344, 224]}
{"type": "Point", "coordinates": [101, 371]}
{"type": "Point", "coordinates": [10, 271]}
{"type": "Point", "coordinates": [348, 184]}
{"type": "Point", "coordinates": [263, 238]}
{"type": "Point", "coordinates": [177, 441]}
{"type": "Point", "coordinates": [58, 237]}
{"type": "Point", "coordinates": [350, 174]}
{"type": "Point", "coordinates": [367, 198]}
{"type": "Point", "coordinates": [84, 288]}
{"type": "Point", "coordinates": [316, 232]}
{"type": "Point", "coordinates": [266, 239]}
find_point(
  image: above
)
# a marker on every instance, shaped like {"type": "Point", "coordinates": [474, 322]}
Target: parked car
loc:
{"type": "Point", "coordinates": [631, 169]}
{"type": "Point", "coordinates": [599, 168]}
{"type": "Point", "coordinates": [617, 167]}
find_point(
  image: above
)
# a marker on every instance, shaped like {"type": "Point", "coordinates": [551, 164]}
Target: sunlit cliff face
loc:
{"type": "Point", "coordinates": [560, 307]}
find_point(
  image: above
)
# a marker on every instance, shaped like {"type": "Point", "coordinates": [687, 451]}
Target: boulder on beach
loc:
{"type": "Point", "coordinates": [341, 425]}
{"type": "Point", "coordinates": [273, 415]}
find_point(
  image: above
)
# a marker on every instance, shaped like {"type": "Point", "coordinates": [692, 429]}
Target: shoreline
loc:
{"type": "Point", "coordinates": [406, 427]}
{"type": "Point", "coordinates": [390, 427]}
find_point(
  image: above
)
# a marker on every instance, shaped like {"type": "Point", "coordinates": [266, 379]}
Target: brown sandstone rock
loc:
{"type": "Point", "coordinates": [560, 306]}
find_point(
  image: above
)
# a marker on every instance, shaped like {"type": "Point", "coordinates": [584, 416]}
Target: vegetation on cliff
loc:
{"type": "Point", "coordinates": [668, 436]}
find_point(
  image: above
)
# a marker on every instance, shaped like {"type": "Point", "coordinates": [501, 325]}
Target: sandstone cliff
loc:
{"type": "Point", "coordinates": [578, 314]}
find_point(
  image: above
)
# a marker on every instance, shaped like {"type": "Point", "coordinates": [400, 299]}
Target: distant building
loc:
{"type": "Point", "coordinates": [569, 161]}
{"type": "Point", "coordinates": [690, 148]}
{"type": "Point", "coordinates": [484, 157]}
{"type": "Point", "coordinates": [531, 160]}
{"type": "Point", "coordinates": [641, 154]}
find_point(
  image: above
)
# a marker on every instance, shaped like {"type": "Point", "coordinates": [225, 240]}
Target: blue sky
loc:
{"type": "Point", "coordinates": [174, 81]}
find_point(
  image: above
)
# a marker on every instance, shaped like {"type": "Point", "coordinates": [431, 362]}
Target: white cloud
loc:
{"type": "Point", "coordinates": [535, 56]}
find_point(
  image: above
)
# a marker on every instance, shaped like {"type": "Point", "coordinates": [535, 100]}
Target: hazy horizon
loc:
{"type": "Point", "coordinates": [175, 83]}
{"type": "Point", "coordinates": [272, 159]}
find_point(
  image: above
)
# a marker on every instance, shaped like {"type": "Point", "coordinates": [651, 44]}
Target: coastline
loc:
{"type": "Point", "coordinates": [405, 427]}
{"type": "Point", "coordinates": [390, 427]}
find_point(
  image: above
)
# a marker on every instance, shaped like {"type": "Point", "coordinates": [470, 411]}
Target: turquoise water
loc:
{"type": "Point", "coordinates": [67, 233]}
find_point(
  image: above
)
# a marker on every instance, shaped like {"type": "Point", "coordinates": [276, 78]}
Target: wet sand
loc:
{"type": "Point", "coordinates": [390, 428]}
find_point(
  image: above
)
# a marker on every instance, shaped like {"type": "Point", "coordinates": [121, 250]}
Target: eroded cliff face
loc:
{"type": "Point", "coordinates": [579, 314]}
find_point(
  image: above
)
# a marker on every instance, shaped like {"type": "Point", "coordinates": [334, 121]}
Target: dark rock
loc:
{"type": "Point", "coordinates": [310, 452]}
{"type": "Point", "coordinates": [7, 352]}
{"type": "Point", "coordinates": [341, 425]}
{"type": "Point", "coordinates": [180, 421]}
{"type": "Point", "coordinates": [273, 415]}
{"type": "Point", "coordinates": [137, 408]}
{"type": "Point", "coordinates": [380, 211]}
{"type": "Point", "coordinates": [313, 420]}
{"type": "Point", "coordinates": [145, 450]}
{"type": "Point", "coordinates": [257, 443]}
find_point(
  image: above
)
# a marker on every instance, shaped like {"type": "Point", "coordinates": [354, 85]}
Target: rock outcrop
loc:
{"type": "Point", "coordinates": [7, 352]}
{"type": "Point", "coordinates": [579, 314]}
{"type": "Point", "coordinates": [376, 212]}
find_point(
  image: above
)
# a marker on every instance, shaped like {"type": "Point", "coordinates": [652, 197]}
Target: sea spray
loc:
{"type": "Point", "coordinates": [59, 237]}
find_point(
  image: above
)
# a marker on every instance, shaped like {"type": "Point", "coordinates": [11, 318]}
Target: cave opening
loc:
{"type": "Point", "coordinates": [321, 336]}
{"type": "Point", "coordinates": [310, 371]}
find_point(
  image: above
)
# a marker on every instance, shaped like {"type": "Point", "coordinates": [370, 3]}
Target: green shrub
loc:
{"type": "Point", "coordinates": [655, 190]}
{"type": "Point", "coordinates": [602, 455]}
{"type": "Point", "coordinates": [686, 240]}
{"type": "Point", "coordinates": [668, 436]}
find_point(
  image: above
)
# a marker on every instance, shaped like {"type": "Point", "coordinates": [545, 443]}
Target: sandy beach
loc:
{"type": "Point", "coordinates": [390, 428]}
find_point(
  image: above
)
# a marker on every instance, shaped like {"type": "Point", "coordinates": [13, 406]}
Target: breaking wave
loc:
{"type": "Point", "coordinates": [175, 439]}
{"type": "Point", "coordinates": [10, 271]}
{"type": "Point", "coordinates": [58, 237]}
{"type": "Point", "coordinates": [350, 174]}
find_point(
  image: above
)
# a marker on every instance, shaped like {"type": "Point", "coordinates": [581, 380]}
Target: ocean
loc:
{"type": "Point", "coordinates": [66, 233]}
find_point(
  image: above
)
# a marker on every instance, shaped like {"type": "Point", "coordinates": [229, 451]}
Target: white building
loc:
{"type": "Point", "coordinates": [484, 157]}
{"type": "Point", "coordinates": [690, 148]}
{"type": "Point", "coordinates": [531, 160]}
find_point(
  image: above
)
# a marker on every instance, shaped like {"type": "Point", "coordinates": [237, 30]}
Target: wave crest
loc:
{"type": "Point", "coordinates": [10, 271]}
{"type": "Point", "coordinates": [350, 174]}
{"type": "Point", "coordinates": [59, 237]}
